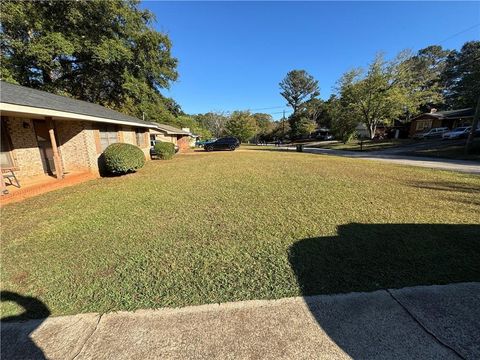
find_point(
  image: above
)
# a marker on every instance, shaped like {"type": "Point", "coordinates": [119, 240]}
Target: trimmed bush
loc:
{"type": "Point", "coordinates": [121, 158]}
{"type": "Point", "coordinates": [164, 150]}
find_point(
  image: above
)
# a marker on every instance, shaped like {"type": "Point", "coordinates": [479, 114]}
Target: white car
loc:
{"type": "Point", "coordinates": [457, 133]}
{"type": "Point", "coordinates": [432, 133]}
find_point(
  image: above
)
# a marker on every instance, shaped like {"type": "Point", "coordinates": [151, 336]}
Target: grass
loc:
{"type": "Point", "coordinates": [368, 145]}
{"type": "Point", "coordinates": [227, 226]}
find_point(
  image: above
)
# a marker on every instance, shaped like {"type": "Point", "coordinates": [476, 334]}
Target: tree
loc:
{"type": "Point", "coordinates": [105, 52]}
{"type": "Point", "coordinates": [313, 109]}
{"type": "Point", "coordinates": [297, 87]}
{"type": "Point", "coordinates": [462, 76]}
{"type": "Point", "coordinates": [343, 119]}
{"type": "Point", "coordinates": [280, 130]}
{"type": "Point", "coordinates": [196, 127]}
{"type": "Point", "coordinates": [242, 125]}
{"type": "Point", "coordinates": [307, 126]}
{"type": "Point", "coordinates": [374, 96]}
{"type": "Point", "coordinates": [264, 124]}
{"type": "Point", "coordinates": [214, 122]}
{"type": "Point", "coordinates": [324, 119]}
{"type": "Point", "coordinates": [420, 76]}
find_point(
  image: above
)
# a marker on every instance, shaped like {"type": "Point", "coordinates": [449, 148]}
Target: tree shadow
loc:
{"type": "Point", "coordinates": [15, 340]}
{"type": "Point", "coordinates": [446, 186]}
{"type": "Point", "coordinates": [369, 257]}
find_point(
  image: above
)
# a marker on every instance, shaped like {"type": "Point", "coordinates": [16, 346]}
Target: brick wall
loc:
{"type": "Point", "coordinates": [77, 145]}
{"type": "Point", "coordinates": [129, 135]}
{"type": "Point", "coordinates": [26, 154]}
{"type": "Point", "coordinates": [71, 145]}
{"type": "Point", "coordinates": [183, 143]}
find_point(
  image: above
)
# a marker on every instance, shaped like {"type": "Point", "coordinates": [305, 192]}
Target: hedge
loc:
{"type": "Point", "coordinates": [164, 150]}
{"type": "Point", "coordinates": [121, 158]}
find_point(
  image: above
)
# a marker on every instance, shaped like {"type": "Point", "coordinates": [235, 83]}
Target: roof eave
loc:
{"type": "Point", "coordinates": [37, 111]}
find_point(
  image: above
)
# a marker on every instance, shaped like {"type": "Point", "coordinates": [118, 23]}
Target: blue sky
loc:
{"type": "Point", "coordinates": [232, 55]}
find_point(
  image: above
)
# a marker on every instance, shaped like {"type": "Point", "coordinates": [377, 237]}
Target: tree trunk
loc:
{"type": "Point", "coordinates": [469, 144]}
{"type": "Point", "coordinates": [371, 130]}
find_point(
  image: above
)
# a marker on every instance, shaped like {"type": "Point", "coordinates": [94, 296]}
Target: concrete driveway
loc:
{"type": "Point", "coordinates": [430, 322]}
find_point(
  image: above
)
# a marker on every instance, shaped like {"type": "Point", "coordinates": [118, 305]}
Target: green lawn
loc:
{"type": "Point", "coordinates": [226, 226]}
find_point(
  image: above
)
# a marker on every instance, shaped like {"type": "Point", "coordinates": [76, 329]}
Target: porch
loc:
{"type": "Point", "coordinates": [39, 184]}
{"type": "Point", "coordinates": [36, 151]}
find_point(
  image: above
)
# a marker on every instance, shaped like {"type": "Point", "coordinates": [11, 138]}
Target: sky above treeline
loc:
{"type": "Point", "coordinates": [232, 55]}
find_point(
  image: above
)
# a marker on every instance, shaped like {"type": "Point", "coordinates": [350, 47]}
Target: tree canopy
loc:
{"type": "Point", "coordinates": [242, 125]}
{"type": "Point", "coordinates": [297, 87]}
{"type": "Point", "coordinates": [462, 76]}
{"type": "Point", "coordinates": [105, 52]}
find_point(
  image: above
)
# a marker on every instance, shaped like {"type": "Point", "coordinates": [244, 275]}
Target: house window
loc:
{"type": "Point", "coordinates": [6, 160]}
{"type": "Point", "coordinates": [140, 135]}
{"type": "Point", "coordinates": [108, 135]}
{"type": "Point", "coordinates": [423, 124]}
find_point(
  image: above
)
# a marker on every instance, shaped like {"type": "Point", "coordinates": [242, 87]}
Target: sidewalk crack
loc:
{"type": "Point", "coordinates": [423, 327]}
{"type": "Point", "coordinates": [88, 338]}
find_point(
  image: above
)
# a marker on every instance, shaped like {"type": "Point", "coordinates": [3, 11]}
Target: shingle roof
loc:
{"type": "Point", "coordinates": [21, 95]}
{"type": "Point", "coordinates": [170, 129]}
{"type": "Point", "coordinates": [448, 114]}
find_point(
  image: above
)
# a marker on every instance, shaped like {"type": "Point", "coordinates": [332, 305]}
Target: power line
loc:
{"type": "Point", "coordinates": [268, 108]}
{"type": "Point", "coordinates": [459, 33]}
{"type": "Point", "coordinates": [280, 112]}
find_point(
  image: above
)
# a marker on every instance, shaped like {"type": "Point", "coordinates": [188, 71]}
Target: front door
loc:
{"type": "Point", "coordinates": [45, 146]}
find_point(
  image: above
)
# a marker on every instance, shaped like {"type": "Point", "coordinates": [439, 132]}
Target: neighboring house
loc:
{"type": "Point", "coordinates": [362, 131]}
{"type": "Point", "coordinates": [43, 133]}
{"type": "Point", "coordinates": [435, 119]}
{"type": "Point", "coordinates": [171, 134]}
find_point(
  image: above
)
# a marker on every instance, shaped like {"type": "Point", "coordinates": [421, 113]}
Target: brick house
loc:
{"type": "Point", "coordinates": [47, 134]}
{"type": "Point", "coordinates": [435, 119]}
{"type": "Point", "coordinates": [168, 133]}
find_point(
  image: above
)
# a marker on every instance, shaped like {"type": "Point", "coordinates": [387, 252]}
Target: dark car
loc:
{"type": "Point", "coordinates": [226, 143]}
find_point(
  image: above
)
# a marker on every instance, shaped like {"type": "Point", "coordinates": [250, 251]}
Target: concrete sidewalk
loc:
{"type": "Point", "coordinates": [471, 167]}
{"type": "Point", "coordinates": [430, 322]}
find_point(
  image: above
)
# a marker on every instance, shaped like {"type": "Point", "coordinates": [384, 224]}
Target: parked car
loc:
{"type": "Point", "coordinates": [432, 133]}
{"type": "Point", "coordinates": [457, 133]}
{"type": "Point", "coordinates": [152, 147]}
{"type": "Point", "coordinates": [201, 143]}
{"type": "Point", "coordinates": [324, 136]}
{"type": "Point", "coordinates": [226, 143]}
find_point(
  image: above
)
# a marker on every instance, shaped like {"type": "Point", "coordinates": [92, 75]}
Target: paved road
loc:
{"type": "Point", "coordinates": [429, 322]}
{"type": "Point", "coordinates": [471, 167]}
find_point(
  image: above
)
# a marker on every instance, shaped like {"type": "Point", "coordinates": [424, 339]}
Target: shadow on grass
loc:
{"type": "Point", "coordinates": [446, 186]}
{"type": "Point", "coordinates": [378, 256]}
{"type": "Point", "coordinates": [369, 257]}
{"type": "Point", "coordinates": [15, 339]}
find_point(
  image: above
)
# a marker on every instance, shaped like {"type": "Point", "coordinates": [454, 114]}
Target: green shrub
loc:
{"type": "Point", "coordinates": [121, 158]}
{"type": "Point", "coordinates": [164, 150]}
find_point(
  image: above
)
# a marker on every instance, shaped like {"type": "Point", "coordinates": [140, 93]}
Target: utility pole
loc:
{"type": "Point", "coordinates": [476, 118]}
{"type": "Point", "coordinates": [283, 125]}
